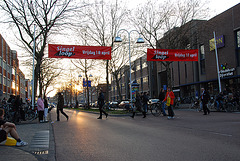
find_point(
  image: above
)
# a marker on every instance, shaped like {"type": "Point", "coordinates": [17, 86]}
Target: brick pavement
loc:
{"type": "Point", "coordinates": [40, 140]}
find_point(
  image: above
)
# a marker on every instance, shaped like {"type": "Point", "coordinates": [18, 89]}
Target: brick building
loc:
{"type": "Point", "coordinates": [188, 77]}
{"type": "Point", "coordinates": [12, 79]}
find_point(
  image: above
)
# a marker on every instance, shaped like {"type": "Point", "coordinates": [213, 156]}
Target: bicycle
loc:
{"type": "Point", "coordinates": [30, 113]}
{"type": "Point", "coordinates": [156, 109]}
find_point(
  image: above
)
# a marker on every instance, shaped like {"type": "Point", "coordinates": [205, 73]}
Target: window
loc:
{"type": "Point", "coordinates": [138, 67]}
{"type": "Point", "coordinates": [145, 79]}
{"type": "Point", "coordinates": [238, 38]}
{"type": "Point", "coordinates": [4, 65]}
{"type": "Point", "coordinates": [13, 71]}
{"type": "Point", "coordinates": [202, 59]}
{"type": "Point", "coordinates": [144, 65]}
{"type": "Point", "coordinates": [238, 46]}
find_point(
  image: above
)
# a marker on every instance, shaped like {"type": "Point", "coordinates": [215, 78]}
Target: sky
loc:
{"type": "Point", "coordinates": [216, 7]}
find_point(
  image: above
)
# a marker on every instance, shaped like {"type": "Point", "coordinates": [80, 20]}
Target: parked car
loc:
{"type": "Point", "coordinates": [113, 104]}
{"type": "Point", "coordinates": [124, 105]}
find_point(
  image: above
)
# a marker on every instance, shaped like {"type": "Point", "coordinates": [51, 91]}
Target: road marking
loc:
{"type": "Point", "coordinates": [216, 133]}
{"type": "Point", "coordinates": [40, 142]}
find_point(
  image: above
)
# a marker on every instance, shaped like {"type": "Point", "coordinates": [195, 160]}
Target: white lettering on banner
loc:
{"type": "Point", "coordinates": [89, 52]}
{"type": "Point", "coordinates": [161, 52]}
{"type": "Point", "coordinates": [60, 48]}
{"type": "Point", "coordinates": [193, 55]}
{"type": "Point", "coordinates": [180, 55]}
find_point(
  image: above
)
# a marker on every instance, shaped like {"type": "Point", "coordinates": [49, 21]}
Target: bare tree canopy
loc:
{"type": "Point", "coordinates": [46, 16]}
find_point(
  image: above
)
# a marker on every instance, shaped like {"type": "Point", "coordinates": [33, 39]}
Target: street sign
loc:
{"type": "Point", "coordinates": [85, 83]}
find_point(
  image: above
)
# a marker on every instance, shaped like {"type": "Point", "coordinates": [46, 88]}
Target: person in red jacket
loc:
{"type": "Point", "coordinates": [169, 98]}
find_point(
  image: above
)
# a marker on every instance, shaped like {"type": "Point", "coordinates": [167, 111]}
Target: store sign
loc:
{"type": "Point", "coordinates": [226, 72]}
{"type": "Point", "coordinates": [219, 42]}
{"type": "Point", "coordinates": [79, 52]}
{"type": "Point", "coordinates": [172, 55]}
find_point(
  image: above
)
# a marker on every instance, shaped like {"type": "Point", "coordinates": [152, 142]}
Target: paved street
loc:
{"type": "Point", "coordinates": [191, 136]}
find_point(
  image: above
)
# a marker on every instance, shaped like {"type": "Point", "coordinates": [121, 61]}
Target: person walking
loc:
{"type": "Point", "coordinates": [100, 105]}
{"type": "Point", "coordinates": [45, 108]}
{"type": "Point", "coordinates": [170, 100]}
{"type": "Point", "coordinates": [161, 98]}
{"type": "Point", "coordinates": [138, 104]}
{"type": "Point", "coordinates": [205, 98]}
{"type": "Point", "coordinates": [60, 105]}
{"type": "Point", "coordinates": [40, 108]}
{"type": "Point", "coordinates": [145, 100]}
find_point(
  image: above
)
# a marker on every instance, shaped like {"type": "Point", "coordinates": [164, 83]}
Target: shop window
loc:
{"type": "Point", "coordinates": [202, 59]}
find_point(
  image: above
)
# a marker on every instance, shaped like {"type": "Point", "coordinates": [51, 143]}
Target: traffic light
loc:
{"type": "Point", "coordinates": [224, 66]}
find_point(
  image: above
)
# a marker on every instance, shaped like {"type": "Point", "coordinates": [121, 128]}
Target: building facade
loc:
{"type": "Point", "coordinates": [187, 78]}
{"type": "Point", "coordinates": [12, 79]}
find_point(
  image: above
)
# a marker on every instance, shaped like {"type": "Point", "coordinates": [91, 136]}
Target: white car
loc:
{"type": "Point", "coordinates": [152, 101]}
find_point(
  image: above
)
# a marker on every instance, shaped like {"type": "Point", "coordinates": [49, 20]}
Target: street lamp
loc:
{"type": "Point", "coordinates": [139, 40]}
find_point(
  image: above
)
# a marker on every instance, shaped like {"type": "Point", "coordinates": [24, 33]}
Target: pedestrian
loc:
{"type": "Point", "coordinates": [145, 100]}
{"type": "Point", "coordinates": [40, 108]}
{"type": "Point", "coordinates": [137, 104]}
{"type": "Point", "coordinates": [76, 105]}
{"type": "Point", "coordinates": [170, 101]}
{"type": "Point", "coordinates": [219, 101]}
{"type": "Point", "coordinates": [205, 97]}
{"type": "Point", "coordinates": [161, 98]}
{"type": "Point", "coordinates": [45, 108]}
{"type": "Point", "coordinates": [60, 105]}
{"type": "Point", "coordinates": [100, 105]}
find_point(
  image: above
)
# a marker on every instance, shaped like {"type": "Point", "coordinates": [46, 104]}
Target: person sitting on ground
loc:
{"type": "Point", "coordinates": [9, 128]}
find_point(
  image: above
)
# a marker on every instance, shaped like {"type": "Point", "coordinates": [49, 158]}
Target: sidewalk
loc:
{"type": "Point", "coordinates": [40, 139]}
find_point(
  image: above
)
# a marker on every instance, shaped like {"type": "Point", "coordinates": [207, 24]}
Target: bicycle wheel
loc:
{"type": "Point", "coordinates": [30, 115]}
{"type": "Point", "coordinates": [155, 109]}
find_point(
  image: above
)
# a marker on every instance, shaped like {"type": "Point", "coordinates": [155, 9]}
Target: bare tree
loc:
{"type": "Point", "coordinates": [102, 21]}
{"type": "Point", "coordinates": [49, 75]}
{"type": "Point", "coordinates": [46, 16]}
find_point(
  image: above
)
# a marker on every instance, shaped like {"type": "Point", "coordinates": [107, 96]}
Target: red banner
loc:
{"type": "Point", "coordinates": [172, 55]}
{"type": "Point", "coordinates": [79, 52]}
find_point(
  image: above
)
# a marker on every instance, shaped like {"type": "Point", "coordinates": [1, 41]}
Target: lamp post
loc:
{"type": "Point", "coordinates": [139, 40]}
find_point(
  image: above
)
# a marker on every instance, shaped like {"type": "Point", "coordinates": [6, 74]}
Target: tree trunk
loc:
{"type": "Point", "coordinates": [169, 79]}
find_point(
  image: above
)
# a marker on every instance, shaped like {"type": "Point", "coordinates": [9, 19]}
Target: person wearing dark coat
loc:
{"type": "Point", "coordinates": [138, 104]}
{"type": "Point", "coordinates": [205, 97]}
{"type": "Point", "coordinates": [145, 100]}
{"type": "Point", "coordinates": [100, 105]}
{"type": "Point", "coordinates": [60, 105]}
{"type": "Point", "coordinates": [45, 108]}
{"type": "Point", "coordinates": [161, 98]}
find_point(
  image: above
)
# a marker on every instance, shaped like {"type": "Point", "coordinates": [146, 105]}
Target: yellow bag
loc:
{"type": "Point", "coordinates": [168, 101]}
{"type": "Point", "coordinates": [9, 142]}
